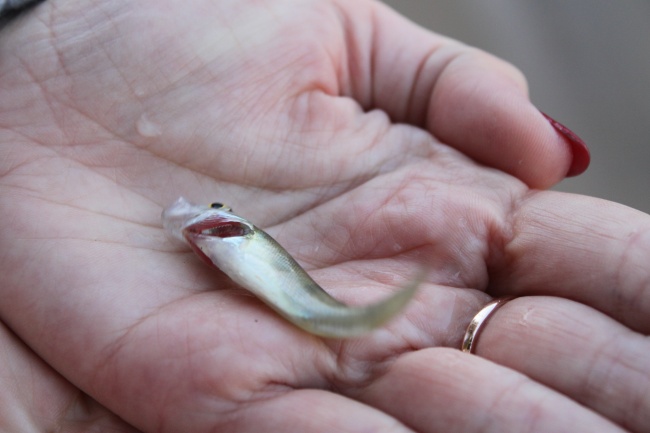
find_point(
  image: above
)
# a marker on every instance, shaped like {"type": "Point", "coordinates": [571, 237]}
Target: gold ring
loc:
{"type": "Point", "coordinates": [477, 322]}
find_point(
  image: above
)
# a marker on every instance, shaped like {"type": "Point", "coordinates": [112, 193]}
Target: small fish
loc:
{"type": "Point", "coordinates": [257, 262]}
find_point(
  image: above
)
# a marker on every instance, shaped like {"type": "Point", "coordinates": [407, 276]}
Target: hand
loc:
{"type": "Point", "coordinates": [367, 147]}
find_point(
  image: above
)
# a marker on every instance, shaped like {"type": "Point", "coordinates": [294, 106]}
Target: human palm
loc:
{"type": "Point", "coordinates": [369, 149]}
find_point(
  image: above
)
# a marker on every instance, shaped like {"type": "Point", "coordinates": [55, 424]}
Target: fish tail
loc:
{"type": "Point", "coordinates": [349, 321]}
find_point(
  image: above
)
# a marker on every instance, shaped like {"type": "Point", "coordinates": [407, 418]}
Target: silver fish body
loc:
{"type": "Point", "coordinates": [255, 261]}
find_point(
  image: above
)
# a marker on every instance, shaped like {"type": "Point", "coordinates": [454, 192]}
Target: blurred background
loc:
{"type": "Point", "coordinates": [588, 66]}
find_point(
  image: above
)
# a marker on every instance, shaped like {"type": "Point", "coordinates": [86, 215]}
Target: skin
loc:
{"type": "Point", "coordinates": [295, 113]}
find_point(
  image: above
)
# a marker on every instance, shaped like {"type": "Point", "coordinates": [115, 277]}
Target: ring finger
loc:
{"type": "Point", "coordinates": [575, 350]}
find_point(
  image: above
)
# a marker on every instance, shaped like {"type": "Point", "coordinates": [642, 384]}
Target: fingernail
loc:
{"type": "Point", "coordinates": [579, 149]}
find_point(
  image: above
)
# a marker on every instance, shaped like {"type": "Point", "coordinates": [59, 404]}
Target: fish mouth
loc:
{"type": "Point", "coordinates": [216, 226]}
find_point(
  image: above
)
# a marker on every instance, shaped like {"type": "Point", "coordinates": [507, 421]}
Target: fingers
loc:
{"type": "Point", "coordinates": [577, 351]}
{"type": "Point", "coordinates": [19, 367]}
{"type": "Point", "coordinates": [466, 98]}
{"type": "Point", "coordinates": [441, 390]}
{"type": "Point", "coordinates": [589, 250]}
{"type": "Point", "coordinates": [313, 411]}
{"type": "Point", "coordinates": [33, 397]}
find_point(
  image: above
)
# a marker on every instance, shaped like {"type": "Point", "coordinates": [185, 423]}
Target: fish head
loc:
{"type": "Point", "coordinates": [212, 231]}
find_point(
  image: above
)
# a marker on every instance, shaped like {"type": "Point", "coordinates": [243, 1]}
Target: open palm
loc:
{"type": "Point", "coordinates": [368, 148]}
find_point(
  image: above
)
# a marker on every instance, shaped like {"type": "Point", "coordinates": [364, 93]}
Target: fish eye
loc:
{"type": "Point", "coordinates": [217, 205]}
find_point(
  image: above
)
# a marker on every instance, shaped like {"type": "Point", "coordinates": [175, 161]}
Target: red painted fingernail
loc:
{"type": "Point", "coordinates": [579, 149]}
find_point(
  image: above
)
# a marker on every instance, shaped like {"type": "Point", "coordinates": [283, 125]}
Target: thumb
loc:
{"type": "Point", "coordinates": [465, 97]}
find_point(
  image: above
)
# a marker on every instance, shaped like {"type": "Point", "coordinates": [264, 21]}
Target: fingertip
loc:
{"type": "Point", "coordinates": [581, 157]}
{"type": "Point", "coordinates": [548, 157]}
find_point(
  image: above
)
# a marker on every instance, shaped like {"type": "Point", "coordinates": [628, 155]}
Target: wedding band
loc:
{"type": "Point", "coordinates": [477, 322]}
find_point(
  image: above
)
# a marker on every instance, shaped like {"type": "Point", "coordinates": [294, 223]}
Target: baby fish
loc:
{"type": "Point", "coordinates": [258, 263]}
